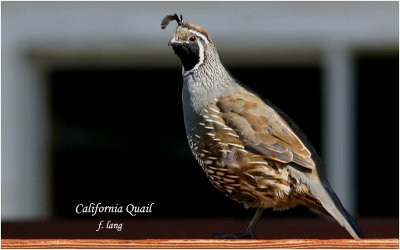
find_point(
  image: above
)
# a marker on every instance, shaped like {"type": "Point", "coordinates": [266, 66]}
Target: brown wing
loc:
{"type": "Point", "coordinates": [263, 130]}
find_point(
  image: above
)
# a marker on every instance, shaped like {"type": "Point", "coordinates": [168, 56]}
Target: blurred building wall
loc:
{"type": "Point", "coordinates": [99, 33]}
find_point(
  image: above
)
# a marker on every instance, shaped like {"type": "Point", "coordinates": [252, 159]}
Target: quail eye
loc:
{"type": "Point", "coordinates": [192, 38]}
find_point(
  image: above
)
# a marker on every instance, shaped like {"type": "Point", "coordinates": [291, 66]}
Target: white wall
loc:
{"type": "Point", "coordinates": [37, 34]}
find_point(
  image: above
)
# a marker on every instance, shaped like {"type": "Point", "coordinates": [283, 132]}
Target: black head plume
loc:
{"type": "Point", "coordinates": [165, 21]}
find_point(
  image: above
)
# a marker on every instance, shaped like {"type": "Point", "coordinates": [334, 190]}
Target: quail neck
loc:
{"type": "Point", "coordinates": [202, 70]}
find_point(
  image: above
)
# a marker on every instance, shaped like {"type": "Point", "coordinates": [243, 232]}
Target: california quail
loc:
{"type": "Point", "coordinates": [249, 149]}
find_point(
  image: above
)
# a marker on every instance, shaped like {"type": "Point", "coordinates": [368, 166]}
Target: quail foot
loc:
{"type": "Point", "coordinates": [249, 149]}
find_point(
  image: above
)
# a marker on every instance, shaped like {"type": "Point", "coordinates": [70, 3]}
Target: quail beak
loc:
{"type": "Point", "coordinates": [171, 42]}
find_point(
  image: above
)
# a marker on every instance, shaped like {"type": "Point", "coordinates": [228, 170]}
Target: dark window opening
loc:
{"type": "Point", "coordinates": [378, 134]}
{"type": "Point", "coordinates": [119, 137]}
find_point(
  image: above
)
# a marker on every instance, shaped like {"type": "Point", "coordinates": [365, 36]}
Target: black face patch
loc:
{"type": "Point", "coordinates": [188, 53]}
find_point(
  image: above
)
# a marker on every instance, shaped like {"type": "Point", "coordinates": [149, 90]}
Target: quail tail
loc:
{"type": "Point", "coordinates": [332, 204]}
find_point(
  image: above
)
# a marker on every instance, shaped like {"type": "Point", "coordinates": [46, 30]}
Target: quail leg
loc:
{"type": "Point", "coordinates": [249, 234]}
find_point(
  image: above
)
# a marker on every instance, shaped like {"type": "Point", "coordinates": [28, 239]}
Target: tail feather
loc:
{"type": "Point", "coordinates": [332, 204]}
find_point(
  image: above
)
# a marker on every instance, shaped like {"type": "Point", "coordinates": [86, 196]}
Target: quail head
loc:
{"type": "Point", "coordinates": [250, 150]}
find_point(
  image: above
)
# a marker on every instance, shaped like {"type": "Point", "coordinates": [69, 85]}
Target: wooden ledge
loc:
{"type": "Point", "coordinates": [201, 243]}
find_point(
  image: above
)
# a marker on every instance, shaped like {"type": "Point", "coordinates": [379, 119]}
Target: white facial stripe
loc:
{"type": "Point", "coordinates": [201, 59]}
{"type": "Point", "coordinates": [199, 35]}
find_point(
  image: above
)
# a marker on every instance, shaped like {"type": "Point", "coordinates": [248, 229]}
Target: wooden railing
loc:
{"type": "Point", "coordinates": [197, 233]}
{"type": "Point", "coordinates": [201, 243]}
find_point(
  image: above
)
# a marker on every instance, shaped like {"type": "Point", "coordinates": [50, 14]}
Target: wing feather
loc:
{"type": "Point", "coordinates": [263, 130]}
